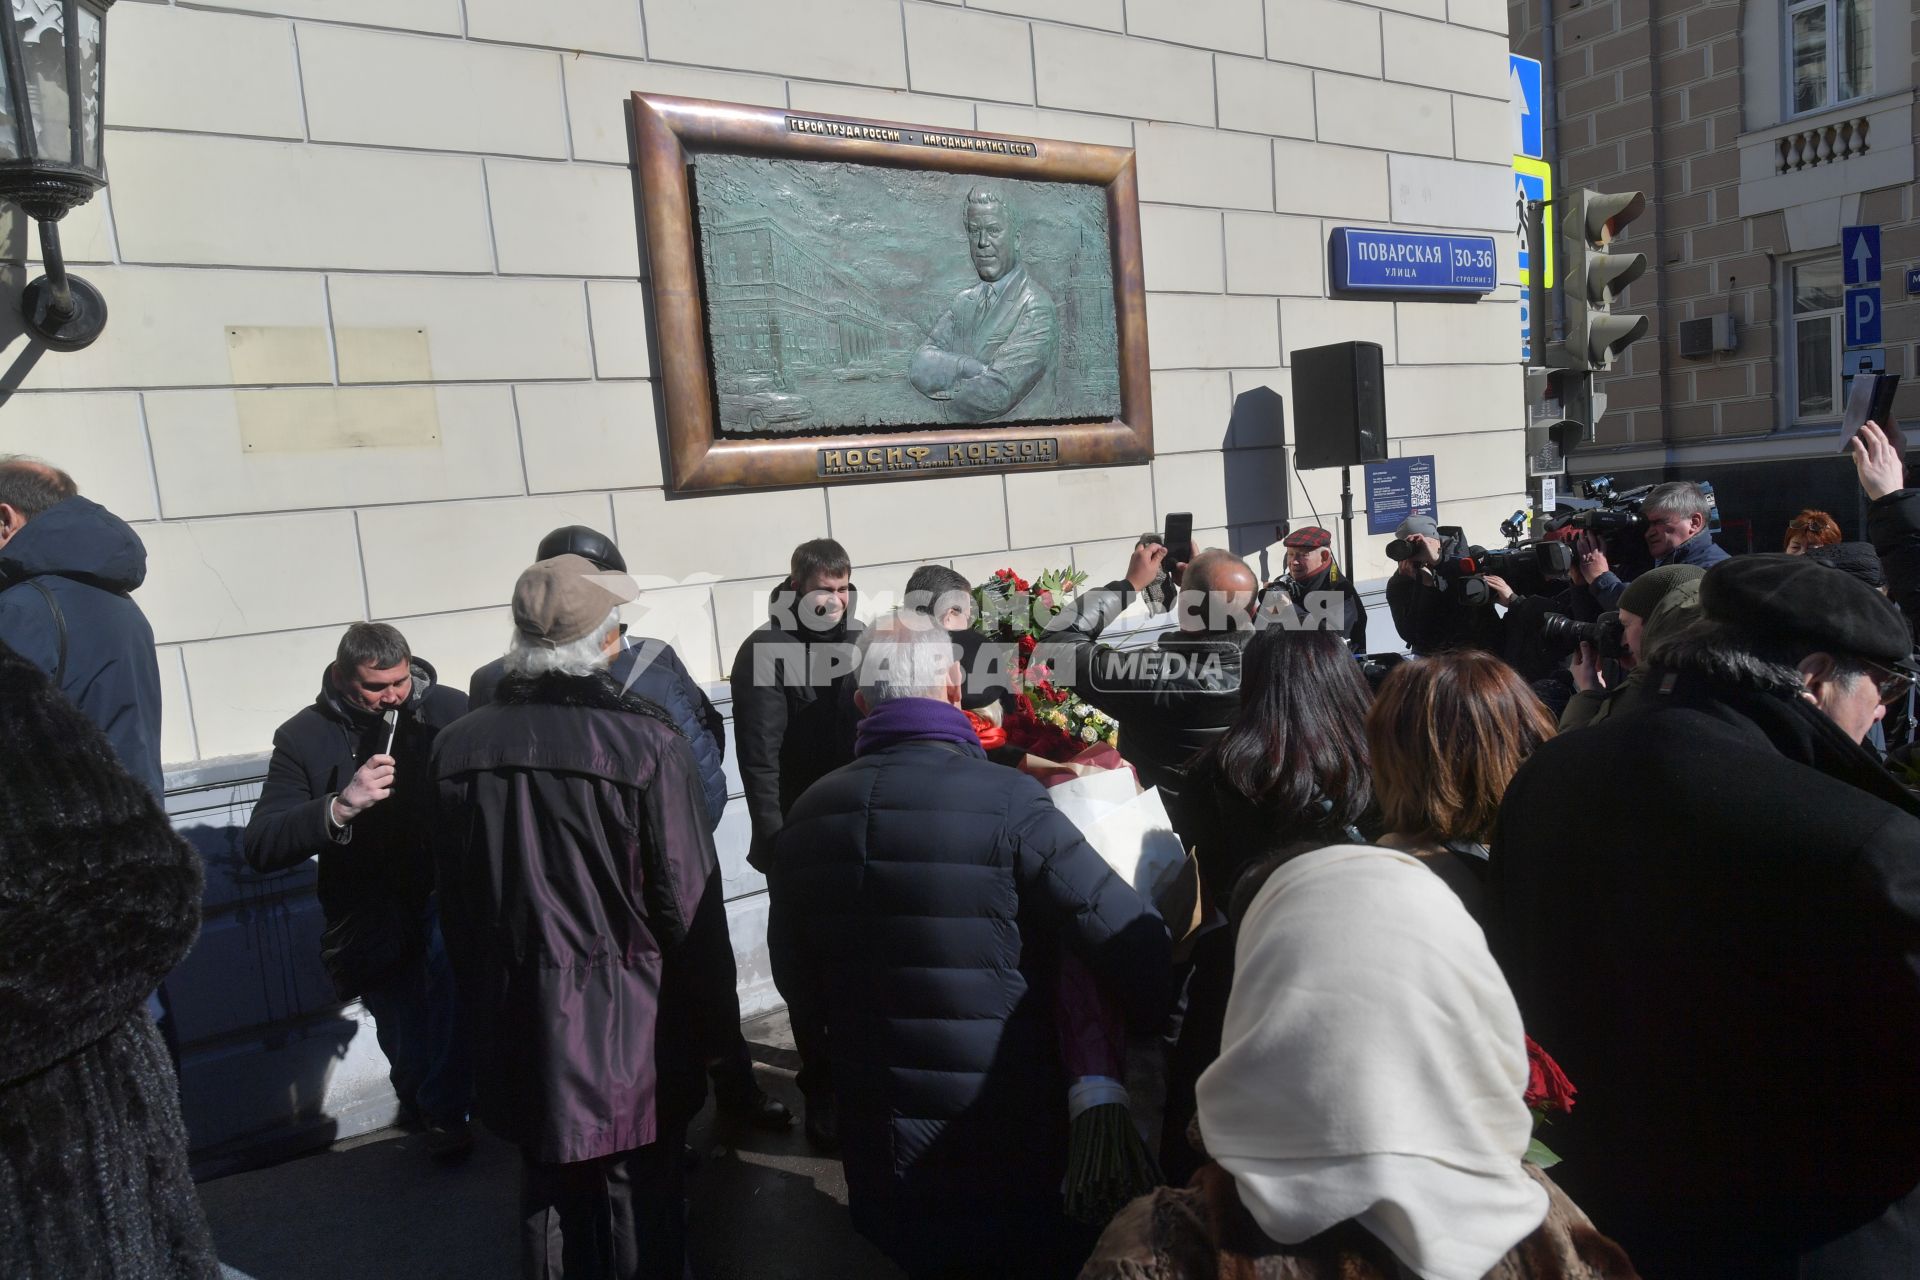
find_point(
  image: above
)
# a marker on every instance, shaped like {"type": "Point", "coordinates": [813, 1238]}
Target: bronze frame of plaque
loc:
{"type": "Point", "coordinates": [669, 130]}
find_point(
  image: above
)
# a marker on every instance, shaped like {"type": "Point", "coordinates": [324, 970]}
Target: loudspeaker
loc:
{"type": "Point", "coordinates": [1339, 406]}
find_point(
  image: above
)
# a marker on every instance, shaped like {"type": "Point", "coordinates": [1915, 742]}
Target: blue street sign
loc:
{"type": "Point", "coordinates": [1398, 489]}
{"type": "Point", "coordinates": [1411, 262]}
{"type": "Point", "coordinates": [1526, 325]}
{"type": "Point", "coordinates": [1860, 254]}
{"type": "Point", "coordinates": [1529, 110]}
{"type": "Point", "coordinates": [1863, 317]}
{"type": "Point", "coordinates": [1913, 279]}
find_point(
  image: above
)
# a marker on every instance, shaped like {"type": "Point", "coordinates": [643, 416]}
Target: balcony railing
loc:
{"type": "Point", "coordinates": [1823, 144]}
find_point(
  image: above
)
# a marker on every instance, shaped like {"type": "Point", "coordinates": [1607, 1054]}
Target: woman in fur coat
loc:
{"type": "Point", "coordinates": [98, 900]}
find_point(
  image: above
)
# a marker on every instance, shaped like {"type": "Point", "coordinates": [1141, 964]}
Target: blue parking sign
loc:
{"type": "Point", "coordinates": [1863, 317]}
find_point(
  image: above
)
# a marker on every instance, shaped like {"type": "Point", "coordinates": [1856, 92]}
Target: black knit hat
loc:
{"type": "Point", "coordinates": [578, 540]}
{"type": "Point", "coordinates": [1793, 597]}
{"type": "Point", "coordinates": [1855, 559]}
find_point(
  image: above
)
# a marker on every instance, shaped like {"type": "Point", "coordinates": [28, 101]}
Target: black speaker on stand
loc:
{"type": "Point", "coordinates": [1340, 415]}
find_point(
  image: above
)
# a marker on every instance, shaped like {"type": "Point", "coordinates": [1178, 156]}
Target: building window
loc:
{"type": "Point", "coordinates": [1829, 52]}
{"type": "Point", "coordinates": [1817, 297]}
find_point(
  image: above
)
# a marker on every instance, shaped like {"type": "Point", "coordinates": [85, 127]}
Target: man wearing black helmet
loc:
{"type": "Point", "coordinates": [653, 670]}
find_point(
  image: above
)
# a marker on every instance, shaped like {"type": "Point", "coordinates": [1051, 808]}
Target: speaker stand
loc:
{"type": "Point", "coordinates": [1346, 519]}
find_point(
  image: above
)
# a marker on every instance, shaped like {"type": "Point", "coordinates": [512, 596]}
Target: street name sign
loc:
{"type": "Point", "coordinates": [1369, 261]}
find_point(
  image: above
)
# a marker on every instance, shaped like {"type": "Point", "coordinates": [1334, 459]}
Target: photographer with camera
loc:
{"type": "Point", "coordinates": [1439, 604]}
{"type": "Point", "coordinates": [1653, 605]}
{"type": "Point", "coordinates": [1674, 518]}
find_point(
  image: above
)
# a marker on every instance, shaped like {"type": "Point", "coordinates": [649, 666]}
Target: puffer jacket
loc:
{"type": "Point", "coordinates": [376, 876]}
{"type": "Point", "coordinates": [1172, 701]}
{"type": "Point", "coordinates": [923, 895]}
{"type": "Point", "coordinates": [652, 670]}
{"type": "Point", "coordinates": [88, 560]}
{"type": "Point", "coordinates": [576, 877]}
{"type": "Point", "coordinates": [793, 712]}
{"type": "Point", "coordinates": [1204, 1233]}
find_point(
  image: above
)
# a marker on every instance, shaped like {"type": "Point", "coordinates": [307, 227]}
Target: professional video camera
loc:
{"type": "Point", "coordinates": [1606, 634]}
{"type": "Point", "coordinates": [1527, 567]}
{"type": "Point", "coordinates": [1610, 512]}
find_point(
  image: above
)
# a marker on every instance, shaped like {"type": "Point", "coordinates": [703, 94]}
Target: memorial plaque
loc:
{"type": "Point", "coordinates": [848, 300]}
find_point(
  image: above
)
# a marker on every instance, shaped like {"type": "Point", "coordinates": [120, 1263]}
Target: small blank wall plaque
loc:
{"type": "Point", "coordinates": [397, 354]}
{"type": "Point", "coordinates": [309, 421]}
{"type": "Point", "coordinates": [278, 355]}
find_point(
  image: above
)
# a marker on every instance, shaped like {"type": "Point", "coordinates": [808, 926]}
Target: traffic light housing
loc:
{"type": "Point", "coordinates": [1592, 278]}
{"type": "Point", "coordinates": [1558, 409]}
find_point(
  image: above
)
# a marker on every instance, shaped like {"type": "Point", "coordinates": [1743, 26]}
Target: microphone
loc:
{"type": "Point", "coordinates": [392, 718]}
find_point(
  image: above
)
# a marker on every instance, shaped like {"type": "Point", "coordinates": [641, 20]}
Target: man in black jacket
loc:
{"type": "Point", "coordinates": [793, 722]}
{"type": "Point", "coordinates": [651, 669]}
{"type": "Point", "coordinates": [1173, 699]}
{"type": "Point", "coordinates": [67, 568]}
{"type": "Point", "coordinates": [1731, 976]}
{"type": "Point", "coordinates": [577, 876]}
{"type": "Point", "coordinates": [350, 782]}
{"type": "Point", "coordinates": [924, 897]}
{"type": "Point", "coordinates": [1435, 612]}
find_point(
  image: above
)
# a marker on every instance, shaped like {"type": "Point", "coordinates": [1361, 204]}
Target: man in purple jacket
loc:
{"type": "Point", "coordinates": [574, 862]}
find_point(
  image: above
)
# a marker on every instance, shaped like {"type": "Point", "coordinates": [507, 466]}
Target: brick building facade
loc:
{"type": "Point", "coordinates": [1757, 131]}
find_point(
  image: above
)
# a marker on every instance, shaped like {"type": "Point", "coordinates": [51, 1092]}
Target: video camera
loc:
{"type": "Point", "coordinates": [1527, 567]}
{"type": "Point", "coordinates": [1609, 512]}
{"type": "Point", "coordinates": [1606, 634]}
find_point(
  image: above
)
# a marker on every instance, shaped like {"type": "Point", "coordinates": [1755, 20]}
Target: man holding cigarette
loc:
{"type": "Point", "coordinates": [351, 783]}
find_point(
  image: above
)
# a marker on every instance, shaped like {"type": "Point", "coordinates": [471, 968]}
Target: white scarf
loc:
{"type": "Point", "coordinates": [1372, 1067]}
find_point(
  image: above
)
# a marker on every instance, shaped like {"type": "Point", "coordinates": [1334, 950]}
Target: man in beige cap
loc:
{"type": "Point", "coordinates": [574, 864]}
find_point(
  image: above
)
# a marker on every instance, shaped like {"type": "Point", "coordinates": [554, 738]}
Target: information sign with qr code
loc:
{"type": "Point", "coordinates": [1399, 488]}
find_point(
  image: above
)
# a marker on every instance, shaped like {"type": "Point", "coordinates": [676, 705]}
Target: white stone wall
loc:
{"type": "Point", "coordinates": [377, 322]}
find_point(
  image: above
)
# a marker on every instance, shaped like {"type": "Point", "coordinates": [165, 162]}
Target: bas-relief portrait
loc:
{"type": "Point", "coordinates": [851, 297]}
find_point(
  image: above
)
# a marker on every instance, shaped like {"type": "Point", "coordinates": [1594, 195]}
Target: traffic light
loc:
{"type": "Point", "coordinates": [1557, 402]}
{"type": "Point", "coordinates": [1592, 278]}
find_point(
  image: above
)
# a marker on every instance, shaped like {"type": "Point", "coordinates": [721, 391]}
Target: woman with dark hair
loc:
{"type": "Point", "coordinates": [1447, 735]}
{"type": "Point", "coordinates": [1290, 772]}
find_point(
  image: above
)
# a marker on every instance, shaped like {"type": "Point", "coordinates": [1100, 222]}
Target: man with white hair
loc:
{"type": "Point", "coordinates": [924, 895]}
{"type": "Point", "coordinates": [574, 864]}
{"type": "Point", "coordinates": [1677, 514]}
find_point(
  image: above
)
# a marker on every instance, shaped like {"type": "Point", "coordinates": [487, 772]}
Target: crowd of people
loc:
{"type": "Point", "coordinates": [1683, 864]}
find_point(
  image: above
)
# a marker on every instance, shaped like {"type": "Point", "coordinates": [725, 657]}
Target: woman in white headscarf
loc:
{"type": "Point", "coordinates": [1365, 1116]}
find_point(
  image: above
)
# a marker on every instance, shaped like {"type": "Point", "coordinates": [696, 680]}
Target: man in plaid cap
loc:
{"type": "Point", "coordinates": [1311, 571]}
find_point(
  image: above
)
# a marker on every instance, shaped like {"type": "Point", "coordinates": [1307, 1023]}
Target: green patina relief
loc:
{"type": "Point", "coordinates": [847, 297]}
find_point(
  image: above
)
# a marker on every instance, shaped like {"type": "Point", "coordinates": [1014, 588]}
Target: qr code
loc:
{"type": "Point", "coordinates": [1420, 492]}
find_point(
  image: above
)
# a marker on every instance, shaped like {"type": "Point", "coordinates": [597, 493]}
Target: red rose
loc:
{"type": "Point", "coordinates": [1547, 1085]}
{"type": "Point", "coordinates": [1027, 645]}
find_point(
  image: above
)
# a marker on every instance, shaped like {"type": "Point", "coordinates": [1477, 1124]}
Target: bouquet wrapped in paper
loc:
{"type": "Point", "coordinates": [1071, 748]}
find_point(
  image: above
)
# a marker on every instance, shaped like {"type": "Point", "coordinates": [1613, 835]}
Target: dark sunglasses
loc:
{"type": "Point", "coordinates": [1892, 684]}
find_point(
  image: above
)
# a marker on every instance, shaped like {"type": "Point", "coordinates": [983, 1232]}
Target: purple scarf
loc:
{"type": "Point", "coordinates": [915, 719]}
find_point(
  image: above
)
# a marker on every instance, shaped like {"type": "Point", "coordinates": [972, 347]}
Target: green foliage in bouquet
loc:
{"type": "Point", "coordinates": [1049, 720]}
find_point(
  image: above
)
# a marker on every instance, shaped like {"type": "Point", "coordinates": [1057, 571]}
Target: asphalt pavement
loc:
{"type": "Point", "coordinates": [764, 1206]}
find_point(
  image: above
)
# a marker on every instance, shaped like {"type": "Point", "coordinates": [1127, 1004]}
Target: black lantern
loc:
{"type": "Point", "coordinates": [52, 115]}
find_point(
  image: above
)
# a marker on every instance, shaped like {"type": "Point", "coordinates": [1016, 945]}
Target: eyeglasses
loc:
{"type": "Point", "coordinates": [1891, 684]}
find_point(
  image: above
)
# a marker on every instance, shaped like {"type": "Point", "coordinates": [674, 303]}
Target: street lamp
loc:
{"type": "Point", "coordinates": [52, 112]}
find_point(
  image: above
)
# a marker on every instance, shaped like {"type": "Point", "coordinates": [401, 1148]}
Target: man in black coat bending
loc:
{"type": "Point", "coordinates": [923, 897]}
{"type": "Point", "coordinates": [351, 782]}
{"type": "Point", "coordinates": [1730, 975]}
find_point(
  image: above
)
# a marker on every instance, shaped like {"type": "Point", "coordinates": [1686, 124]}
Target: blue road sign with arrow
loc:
{"type": "Point", "coordinates": [1860, 254]}
{"type": "Point", "coordinates": [1523, 98]}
